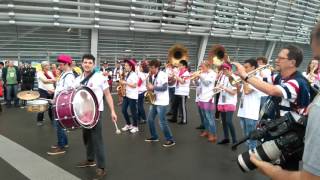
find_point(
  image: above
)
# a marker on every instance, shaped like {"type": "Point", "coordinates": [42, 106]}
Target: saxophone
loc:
{"type": "Point", "coordinates": [150, 96]}
{"type": "Point", "coordinates": [121, 88]}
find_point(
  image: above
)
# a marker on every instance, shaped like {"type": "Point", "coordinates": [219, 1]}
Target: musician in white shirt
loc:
{"type": "Point", "coordinates": [131, 97]}
{"type": "Point", "coordinates": [205, 97]}
{"type": "Point", "coordinates": [159, 85]}
{"type": "Point", "coordinates": [46, 83]}
{"type": "Point", "coordinates": [142, 88]}
{"type": "Point", "coordinates": [227, 104]}
{"type": "Point", "coordinates": [249, 105]}
{"type": "Point", "coordinates": [181, 93]}
{"type": "Point", "coordinates": [65, 82]}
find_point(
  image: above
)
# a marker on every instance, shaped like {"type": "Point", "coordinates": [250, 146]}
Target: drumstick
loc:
{"type": "Point", "coordinates": [117, 129]}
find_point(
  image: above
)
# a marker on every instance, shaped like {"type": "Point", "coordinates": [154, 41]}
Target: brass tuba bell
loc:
{"type": "Point", "coordinates": [176, 53]}
{"type": "Point", "coordinates": [217, 55]}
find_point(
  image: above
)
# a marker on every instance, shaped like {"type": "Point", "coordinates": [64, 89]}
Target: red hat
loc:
{"type": "Point", "coordinates": [63, 58]}
{"type": "Point", "coordinates": [131, 63]}
{"type": "Point", "coordinates": [226, 66]}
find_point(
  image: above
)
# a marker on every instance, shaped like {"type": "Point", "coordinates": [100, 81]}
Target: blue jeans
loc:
{"type": "Point", "coordinates": [228, 125]}
{"type": "Point", "coordinates": [249, 125]}
{"type": "Point", "coordinates": [161, 110]}
{"type": "Point", "coordinates": [132, 103]}
{"type": "Point", "coordinates": [61, 135]}
{"type": "Point", "coordinates": [201, 117]}
{"type": "Point", "coordinates": [208, 120]}
{"type": "Point", "coordinates": [12, 89]}
{"type": "Point", "coordinates": [141, 112]}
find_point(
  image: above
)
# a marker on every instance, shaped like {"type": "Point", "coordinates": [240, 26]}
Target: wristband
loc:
{"type": "Point", "coordinates": [246, 78]}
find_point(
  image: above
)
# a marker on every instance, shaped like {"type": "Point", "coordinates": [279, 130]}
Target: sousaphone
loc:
{"type": "Point", "coordinates": [177, 53]}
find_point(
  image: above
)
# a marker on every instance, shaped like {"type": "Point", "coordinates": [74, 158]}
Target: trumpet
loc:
{"type": "Point", "coordinates": [234, 81]}
{"type": "Point", "coordinates": [195, 74]}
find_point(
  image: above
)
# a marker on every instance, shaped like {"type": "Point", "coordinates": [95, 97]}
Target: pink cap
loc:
{"type": "Point", "coordinates": [63, 58]}
{"type": "Point", "coordinates": [226, 66]}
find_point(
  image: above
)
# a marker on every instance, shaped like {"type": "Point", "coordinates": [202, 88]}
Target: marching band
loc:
{"type": "Point", "coordinates": [219, 88]}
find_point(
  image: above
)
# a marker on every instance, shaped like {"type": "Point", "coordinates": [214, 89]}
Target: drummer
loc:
{"type": "Point", "coordinates": [46, 83]}
{"type": "Point", "coordinates": [65, 82]}
{"type": "Point", "coordinates": [95, 150]}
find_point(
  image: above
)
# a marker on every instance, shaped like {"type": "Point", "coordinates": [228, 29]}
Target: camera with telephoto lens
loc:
{"type": "Point", "coordinates": [281, 139]}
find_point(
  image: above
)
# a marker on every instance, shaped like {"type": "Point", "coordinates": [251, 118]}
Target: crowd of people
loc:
{"type": "Point", "coordinates": [219, 95]}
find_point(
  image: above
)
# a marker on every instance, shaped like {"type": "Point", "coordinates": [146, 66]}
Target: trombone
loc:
{"type": "Point", "coordinates": [234, 81]}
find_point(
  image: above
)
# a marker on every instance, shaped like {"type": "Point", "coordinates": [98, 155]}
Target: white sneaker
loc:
{"type": "Point", "coordinates": [126, 128]}
{"type": "Point", "coordinates": [134, 129]}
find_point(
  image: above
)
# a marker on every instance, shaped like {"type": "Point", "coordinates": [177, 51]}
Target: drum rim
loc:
{"type": "Point", "coordinates": [97, 113]}
{"type": "Point", "coordinates": [71, 106]}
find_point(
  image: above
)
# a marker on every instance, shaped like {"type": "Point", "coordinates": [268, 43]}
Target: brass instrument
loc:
{"type": "Point", "coordinates": [150, 96]}
{"type": "Point", "coordinates": [195, 74]}
{"type": "Point", "coordinates": [234, 81]}
{"type": "Point", "coordinates": [121, 88]}
{"type": "Point", "coordinates": [176, 53]}
{"type": "Point", "coordinates": [217, 56]}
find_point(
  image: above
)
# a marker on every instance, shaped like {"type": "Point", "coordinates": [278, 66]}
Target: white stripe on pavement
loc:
{"type": "Point", "coordinates": [30, 164]}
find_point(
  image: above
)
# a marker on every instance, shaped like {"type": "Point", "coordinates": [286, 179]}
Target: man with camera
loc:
{"type": "Point", "coordinates": [311, 158]}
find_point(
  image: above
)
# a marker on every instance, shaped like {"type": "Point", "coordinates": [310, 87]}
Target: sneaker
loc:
{"type": "Point", "coordinates": [169, 144]}
{"type": "Point", "coordinates": [39, 123]}
{"type": "Point", "coordinates": [56, 151]}
{"type": "Point", "coordinates": [151, 140]}
{"type": "Point", "coordinates": [86, 164]}
{"type": "Point", "coordinates": [134, 129]}
{"type": "Point", "coordinates": [100, 173]}
{"type": "Point", "coordinates": [126, 128]}
{"type": "Point", "coordinates": [56, 146]}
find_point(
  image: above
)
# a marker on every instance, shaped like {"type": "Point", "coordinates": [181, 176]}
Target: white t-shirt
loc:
{"type": "Point", "coordinates": [183, 89]}
{"type": "Point", "coordinates": [97, 83]}
{"type": "Point", "coordinates": [143, 76]}
{"type": "Point", "coordinates": [45, 86]}
{"type": "Point", "coordinates": [171, 72]}
{"type": "Point", "coordinates": [162, 97]}
{"type": "Point", "coordinates": [207, 80]}
{"type": "Point", "coordinates": [198, 89]}
{"type": "Point", "coordinates": [226, 98]}
{"type": "Point", "coordinates": [132, 93]}
{"type": "Point", "coordinates": [249, 106]}
{"type": "Point", "coordinates": [267, 78]}
{"type": "Point", "coordinates": [65, 82]}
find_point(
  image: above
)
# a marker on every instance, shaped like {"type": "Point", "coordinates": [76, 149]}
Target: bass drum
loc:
{"type": "Point", "coordinates": [77, 108]}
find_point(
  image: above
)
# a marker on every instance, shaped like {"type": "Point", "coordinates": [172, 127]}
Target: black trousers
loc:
{"type": "Point", "coordinates": [179, 105]}
{"type": "Point", "coordinates": [45, 94]}
{"type": "Point", "coordinates": [93, 141]}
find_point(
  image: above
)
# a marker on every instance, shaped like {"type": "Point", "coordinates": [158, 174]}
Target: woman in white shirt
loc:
{"type": "Point", "coordinates": [227, 104]}
{"type": "Point", "coordinates": [46, 82]}
{"type": "Point", "coordinates": [206, 101]}
{"type": "Point", "coordinates": [196, 82]}
{"type": "Point", "coordinates": [142, 88]}
{"type": "Point", "coordinates": [131, 97]}
{"type": "Point", "coordinates": [181, 93]}
{"type": "Point", "coordinates": [313, 74]}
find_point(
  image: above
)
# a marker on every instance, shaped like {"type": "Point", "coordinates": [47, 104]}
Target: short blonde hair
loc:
{"type": "Point", "coordinates": [44, 63]}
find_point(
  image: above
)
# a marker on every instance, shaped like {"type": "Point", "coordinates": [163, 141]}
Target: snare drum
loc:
{"type": "Point", "coordinates": [76, 108]}
{"type": "Point", "coordinates": [37, 106]}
